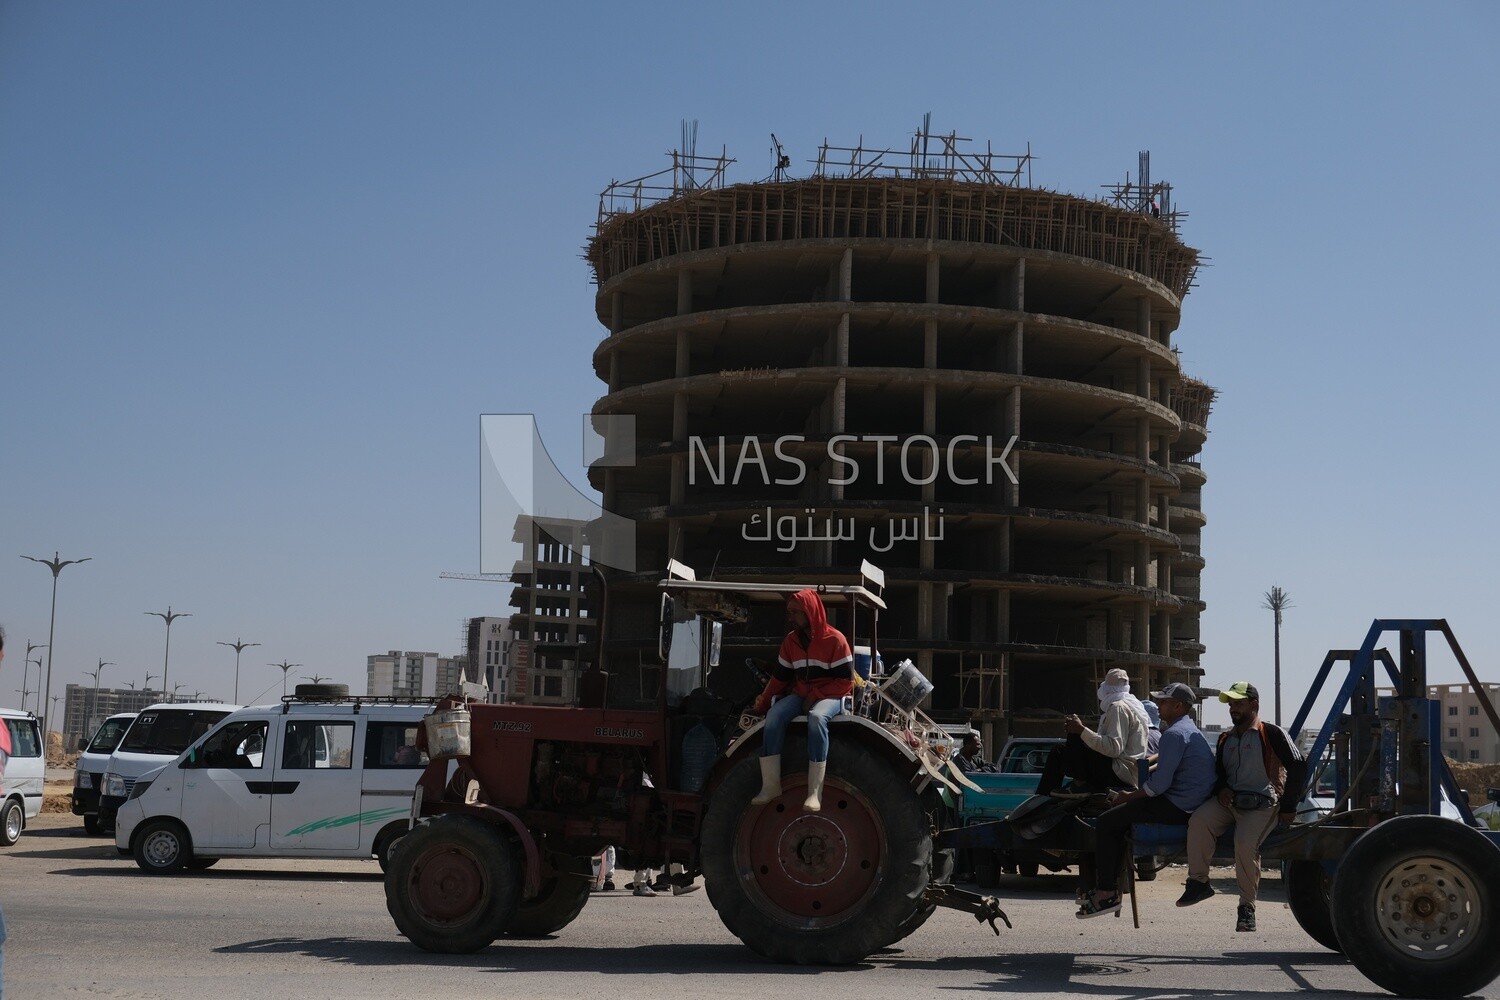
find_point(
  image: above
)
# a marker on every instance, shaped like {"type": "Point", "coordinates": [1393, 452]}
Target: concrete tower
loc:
{"type": "Point", "coordinates": [924, 362]}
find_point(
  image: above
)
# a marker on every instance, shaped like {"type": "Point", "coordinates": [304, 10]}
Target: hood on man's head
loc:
{"type": "Point", "coordinates": [1117, 677]}
{"type": "Point", "coordinates": [817, 615]}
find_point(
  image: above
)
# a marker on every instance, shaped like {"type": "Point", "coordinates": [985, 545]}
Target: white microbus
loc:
{"type": "Point", "coordinates": [308, 778]}
{"type": "Point", "coordinates": [24, 775]}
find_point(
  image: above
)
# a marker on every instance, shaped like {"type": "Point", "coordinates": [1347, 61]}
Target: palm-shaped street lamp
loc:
{"type": "Point", "coordinates": [94, 705]}
{"type": "Point", "coordinates": [285, 666]}
{"type": "Point", "coordinates": [169, 616]}
{"type": "Point", "coordinates": [239, 647]}
{"type": "Point", "coordinates": [56, 565]}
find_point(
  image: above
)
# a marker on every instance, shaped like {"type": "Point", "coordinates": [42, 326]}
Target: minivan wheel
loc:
{"type": "Point", "coordinates": [91, 825]}
{"type": "Point", "coordinates": [161, 847]}
{"type": "Point", "coordinates": [12, 822]}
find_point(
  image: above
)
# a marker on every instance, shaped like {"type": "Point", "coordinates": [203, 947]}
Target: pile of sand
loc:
{"type": "Point", "coordinates": [1475, 779]}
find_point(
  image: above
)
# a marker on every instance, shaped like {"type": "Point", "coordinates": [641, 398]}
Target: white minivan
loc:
{"type": "Point", "coordinates": [158, 734]}
{"type": "Point", "coordinates": [309, 778]}
{"type": "Point", "coordinates": [24, 775]}
{"type": "Point", "coordinates": [88, 773]}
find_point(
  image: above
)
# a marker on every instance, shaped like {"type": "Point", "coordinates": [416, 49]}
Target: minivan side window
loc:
{"type": "Point", "coordinates": [310, 745]}
{"type": "Point", "coordinates": [23, 738]}
{"type": "Point", "coordinates": [393, 744]}
{"type": "Point", "coordinates": [239, 745]}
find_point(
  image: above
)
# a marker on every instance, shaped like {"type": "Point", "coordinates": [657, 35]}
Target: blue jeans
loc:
{"type": "Point", "coordinates": [773, 738]}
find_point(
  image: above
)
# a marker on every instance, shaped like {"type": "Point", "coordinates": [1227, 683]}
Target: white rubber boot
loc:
{"type": "Point", "coordinates": [770, 781]}
{"type": "Point", "coordinates": [815, 772]}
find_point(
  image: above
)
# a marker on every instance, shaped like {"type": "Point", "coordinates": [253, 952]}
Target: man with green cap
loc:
{"type": "Point", "coordinates": [1259, 776]}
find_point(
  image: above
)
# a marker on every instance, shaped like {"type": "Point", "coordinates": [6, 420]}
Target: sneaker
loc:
{"type": "Point", "coordinates": [609, 885]}
{"type": "Point", "coordinates": [644, 890]}
{"type": "Point", "coordinates": [1246, 918]}
{"type": "Point", "coordinates": [683, 890]}
{"type": "Point", "coordinates": [1196, 892]}
{"type": "Point", "coordinates": [662, 884]}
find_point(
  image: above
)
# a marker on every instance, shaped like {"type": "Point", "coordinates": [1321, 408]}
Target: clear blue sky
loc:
{"type": "Point", "coordinates": [263, 265]}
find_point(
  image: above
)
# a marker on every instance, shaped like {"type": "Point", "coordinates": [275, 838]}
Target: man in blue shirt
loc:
{"type": "Point", "coordinates": [1183, 780]}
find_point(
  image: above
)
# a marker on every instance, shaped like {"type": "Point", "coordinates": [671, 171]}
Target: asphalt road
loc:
{"type": "Point", "coordinates": [84, 922]}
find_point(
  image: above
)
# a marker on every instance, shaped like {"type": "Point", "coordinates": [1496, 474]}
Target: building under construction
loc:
{"type": "Point", "coordinates": [916, 358]}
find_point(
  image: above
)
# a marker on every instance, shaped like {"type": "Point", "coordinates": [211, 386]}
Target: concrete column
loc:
{"type": "Point", "coordinates": [1010, 425]}
{"type": "Point", "coordinates": [932, 278]}
{"type": "Point", "coordinates": [1143, 438]}
{"type": "Point", "coordinates": [684, 292]}
{"type": "Point", "coordinates": [1142, 501]}
{"type": "Point", "coordinates": [1011, 360]}
{"type": "Point", "coordinates": [1142, 563]}
{"type": "Point", "coordinates": [1143, 316]}
{"type": "Point", "coordinates": [846, 275]}
{"type": "Point", "coordinates": [1143, 377]}
{"type": "Point", "coordinates": [1163, 633]}
{"type": "Point", "coordinates": [616, 311]}
{"type": "Point", "coordinates": [1140, 638]}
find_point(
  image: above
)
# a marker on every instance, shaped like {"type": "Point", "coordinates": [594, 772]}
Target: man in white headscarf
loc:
{"type": "Point", "coordinates": [1105, 758]}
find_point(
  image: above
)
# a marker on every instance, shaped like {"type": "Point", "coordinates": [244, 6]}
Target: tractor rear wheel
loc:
{"type": "Point", "coordinates": [557, 905]}
{"type": "Point", "coordinates": [1308, 884]}
{"type": "Point", "coordinates": [825, 888]}
{"type": "Point", "coordinates": [1416, 902]}
{"type": "Point", "coordinates": [453, 885]}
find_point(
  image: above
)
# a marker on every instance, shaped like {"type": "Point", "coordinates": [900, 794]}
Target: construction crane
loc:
{"type": "Point", "coordinates": [481, 577]}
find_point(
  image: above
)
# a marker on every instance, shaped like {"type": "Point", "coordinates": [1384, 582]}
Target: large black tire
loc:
{"type": "Point", "coordinates": [91, 825]}
{"type": "Point", "coordinates": [385, 843]}
{"type": "Point", "coordinates": [453, 885]}
{"type": "Point", "coordinates": [12, 822]}
{"type": "Point", "coordinates": [1416, 907]}
{"type": "Point", "coordinates": [1308, 885]}
{"type": "Point", "coordinates": [826, 888]}
{"type": "Point", "coordinates": [162, 847]}
{"type": "Point", "coordinates": [1145, 869]}
{"type": "Point", "coordinates": [555, 906]}
{"type": "Point", "coordinates": [1028, 869]}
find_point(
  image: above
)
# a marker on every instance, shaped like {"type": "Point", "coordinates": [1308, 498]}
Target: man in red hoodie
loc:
{"type": "Point", "coordinates": [815, 671]}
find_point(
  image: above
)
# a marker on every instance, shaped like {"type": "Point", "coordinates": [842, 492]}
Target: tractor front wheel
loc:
{"type": "Point", "coordinates": [824, 888]}
{"type": "Point", "coordinates": [453, 885]}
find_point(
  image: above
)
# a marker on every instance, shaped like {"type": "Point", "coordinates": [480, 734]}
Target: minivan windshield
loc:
{"type": "Point", "coordinates": [169, 730]}
{"type": "Point", "coordinates": [108, 736]}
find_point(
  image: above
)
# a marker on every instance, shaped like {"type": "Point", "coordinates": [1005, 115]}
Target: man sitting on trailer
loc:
{"type": "Point", "coordinates": [1103, 759]}
{"type": "Point", "coordinates": [970, 756]}
{"type": "Point", "coordinates": [1183, 779]}
{"type": "Point", "coordinates": [815, 671]}
{"type": "Point", "coordinates": [1260, 774]}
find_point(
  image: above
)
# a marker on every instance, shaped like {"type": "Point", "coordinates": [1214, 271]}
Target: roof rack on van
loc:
{"type": "Point", "coordinates": [339, 694]}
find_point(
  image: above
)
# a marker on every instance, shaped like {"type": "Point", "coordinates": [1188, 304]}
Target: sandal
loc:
{"type": "Point", "coordinates": [1090, 908]}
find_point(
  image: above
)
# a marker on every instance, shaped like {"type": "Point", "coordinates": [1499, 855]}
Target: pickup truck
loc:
{"type": "Point", "coordinates": [1021, 761]}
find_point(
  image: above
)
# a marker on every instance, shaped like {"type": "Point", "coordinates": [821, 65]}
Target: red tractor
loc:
{"type": "Point", "coordinates": [507, 826]}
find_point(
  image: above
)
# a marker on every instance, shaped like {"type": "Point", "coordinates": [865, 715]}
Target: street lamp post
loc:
{"type": "Point", "coordinates": [26, 669]}
{"type": "Point", "coordinates": [147, 686]}
{"type": "Point", "coordinates": [25, 674]}
{"type": "Point", "coordinates": [285, 666]}
{"type": "Point", "coordinates": [56, 565]}
{"type": "Point", "coordinates": [94, 705]}
{"type": "Point", "coordinates": [168, 616]}
{"type": "Point", "coordinates": [238, 648]}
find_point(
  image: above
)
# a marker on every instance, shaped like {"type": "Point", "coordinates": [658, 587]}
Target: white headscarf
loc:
{"type": "Point", "coordinates": [1116, 688]}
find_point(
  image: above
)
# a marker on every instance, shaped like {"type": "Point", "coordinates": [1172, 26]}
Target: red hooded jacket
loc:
{"type": "Point", "coordinates": [824, 668]}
